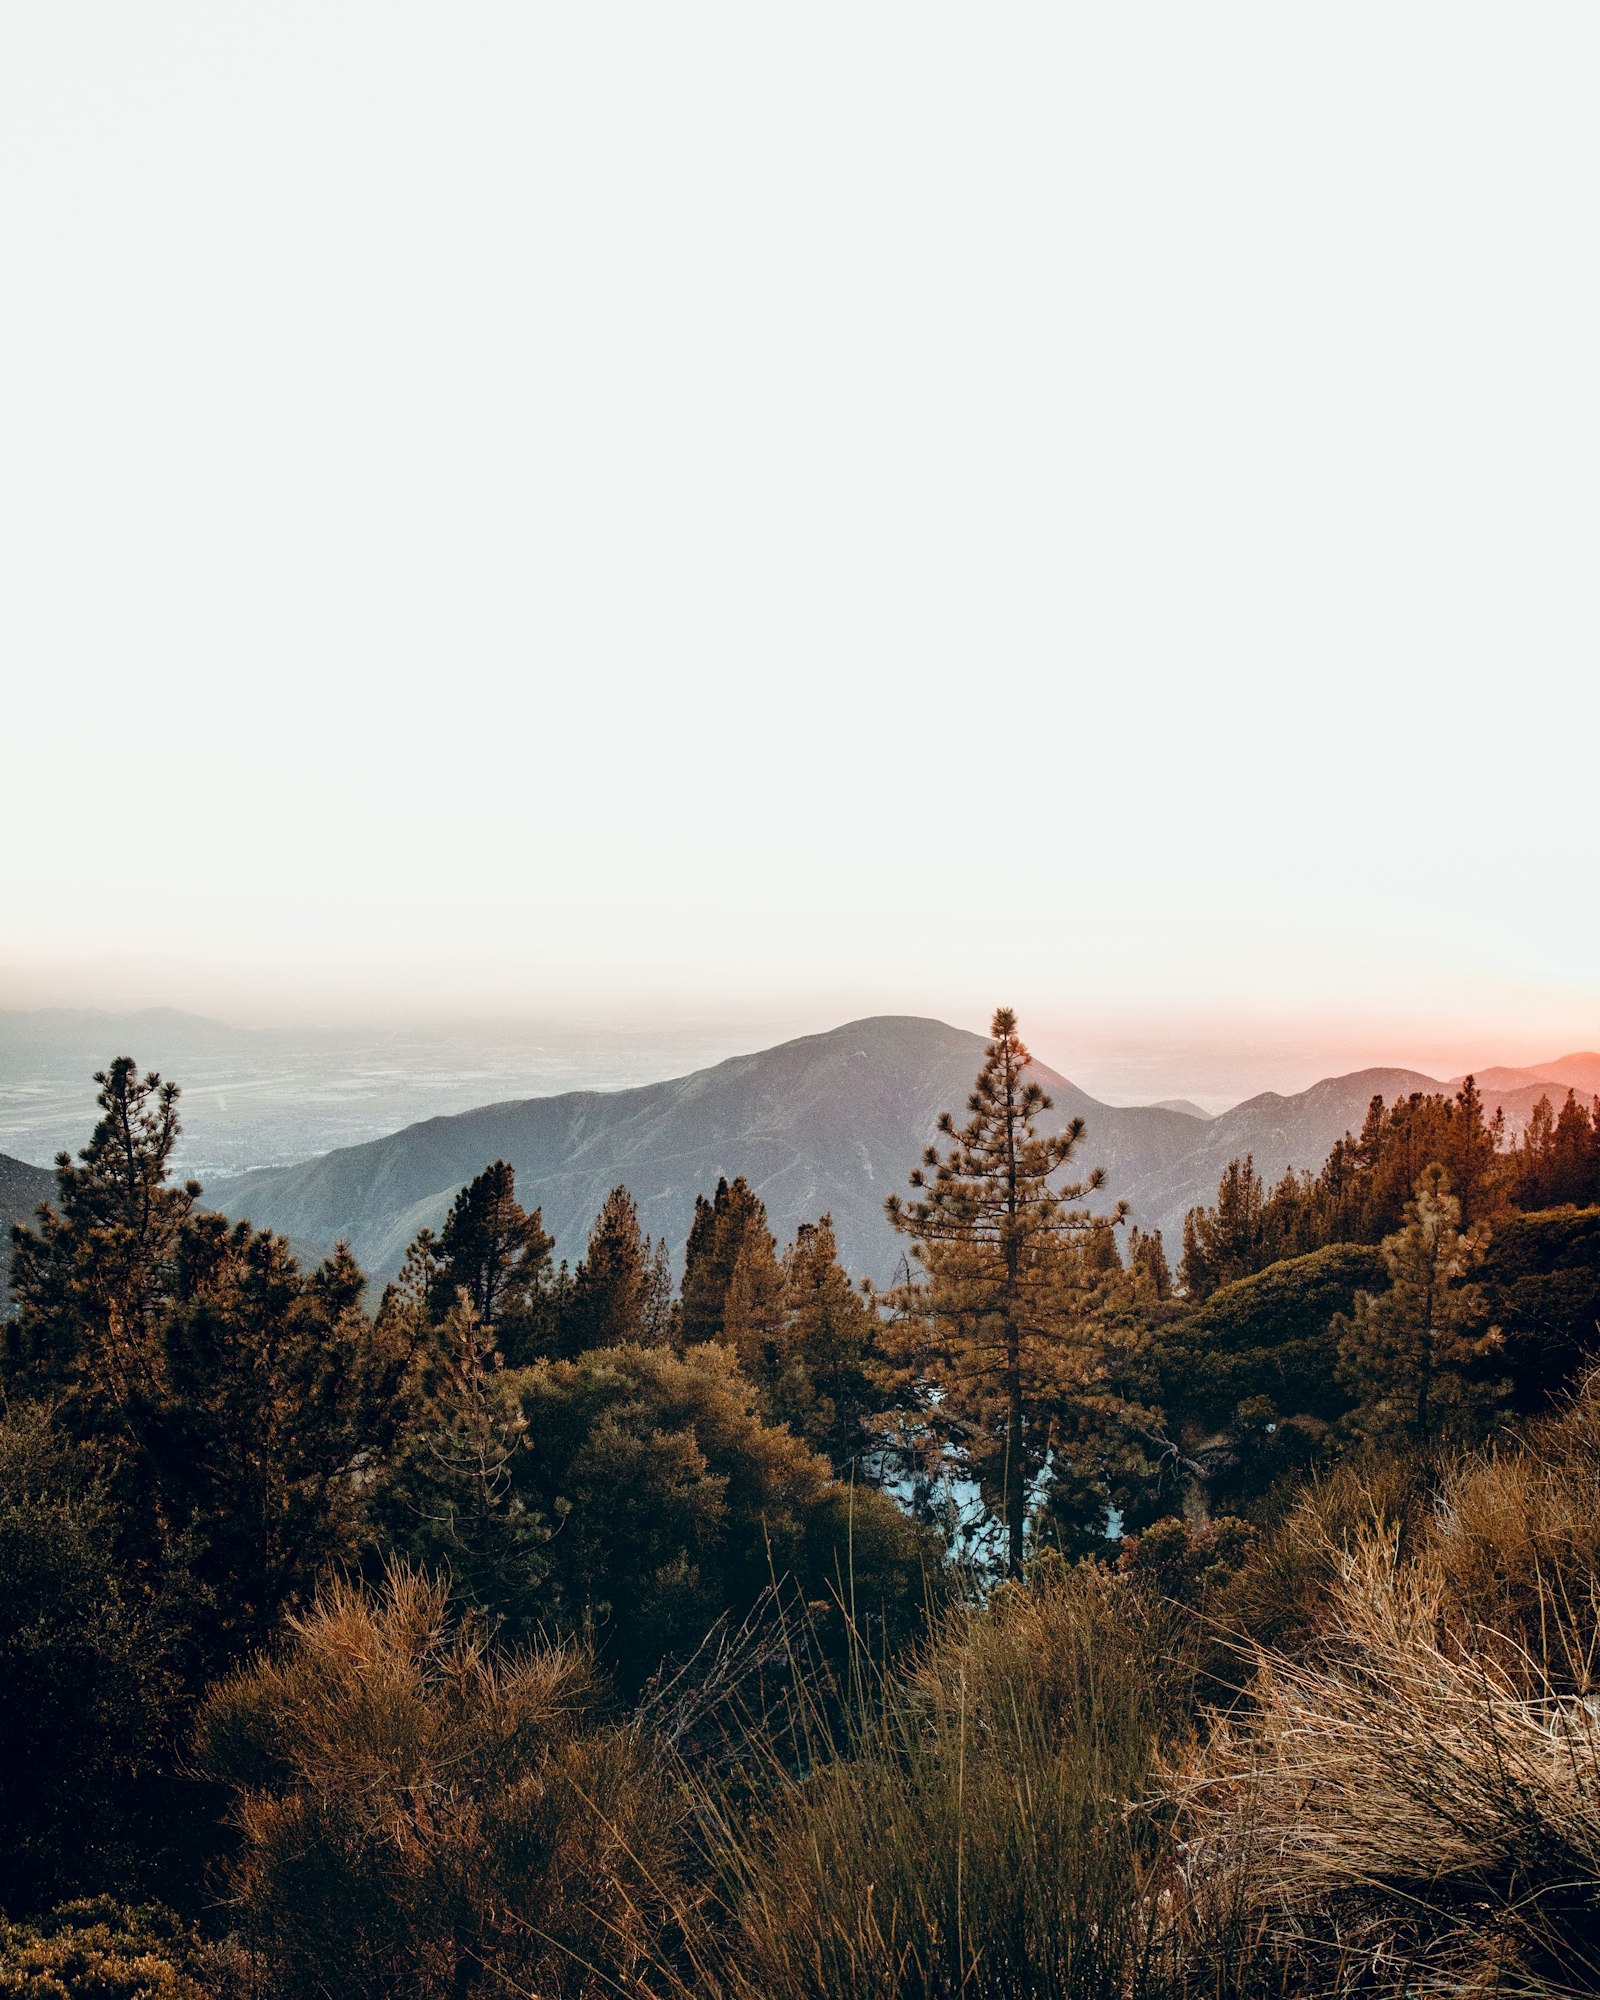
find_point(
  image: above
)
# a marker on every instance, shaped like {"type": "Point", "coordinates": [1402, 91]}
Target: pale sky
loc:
{"type": "Point", "coordinates": [813, 509]}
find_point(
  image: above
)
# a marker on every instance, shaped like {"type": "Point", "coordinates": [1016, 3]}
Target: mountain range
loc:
{"type": "Point", "coordinates": [828, 1122]}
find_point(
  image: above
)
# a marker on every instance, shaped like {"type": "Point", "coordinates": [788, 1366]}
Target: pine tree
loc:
{"type": "Point", "coordinates": [716, 1237]}
{"type": "Point", "coordinates": [989, 1327]}
{"type": "Point", "coordinates": [460, 1488]}
{"type": "Point", "coordinates": [752, 1311]}
{"type": "Point", "coordinates": [1225, 1242]}
{"type": "Point", "coordinates": [1147, 1254]}
{"type": "Point", "coordinates": [610, 1291]}
{"type": "Point", "coordinates": [90, 1282]}
{"type": "Point", "coordinates": [495, 1251]}
{"type": "Point", "coordinates": [824, 1386]}
{"type": "Point", "coordinates": [1416, 1352]}
{"type": "Point", "coordinates": [655, 1317]}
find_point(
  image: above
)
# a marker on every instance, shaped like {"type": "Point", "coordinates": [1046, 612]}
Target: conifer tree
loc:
{"type": "Point", "coordinates": [494, 1250]}
{"type": "Point", "coordinates": [611, 1288]}
{"type": "Point", "coordinates": [715, 1239]}
{"type": "Point", "coordinates": [89, 1282]}
{"type": "Point", "coordinates": [1415, 1353]}
{"type": "Point", "coordinates": [460, 1486]}
{"type": "Point", "coordinates": [753, 1310]}
{"type": "Point", "coordinates": [824, 1388]}
{"type": "Point", "coordinates": [655, 1319]}
{"type": "Point", "coordinates": [1147, 1254]}
{"type": "Point", "coordinates": [989, 1328]}
{"type": "Point", "coordinates": [1223, 1243]}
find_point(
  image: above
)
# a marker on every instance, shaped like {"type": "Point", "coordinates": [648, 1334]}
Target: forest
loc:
{"type": "Point", "coordinates": [1077, 1615]}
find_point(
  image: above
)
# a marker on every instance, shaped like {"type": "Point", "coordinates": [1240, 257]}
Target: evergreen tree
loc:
{"type": "Point", "coordinates": [989, 1330]}
{"type": "Point", "coordinates": [458, 1488]}
{"type": "Point", "coordinates": [499, 1254]}
{"type": "Point", "coordinates": [611, 1288]}
{"type": "Point", "coordinates": [242, 1412]}
{"type": "Point", "coordinates": [1225, 1242]}
{"type": "Point", "coordinates": [715, 1238]}
{"type": "Point", "coordinates": [753, 1309]}
{"type": "Point", "coordinates": [824, 1387]}
{"type": "Point", "coordinates": [90, 1281]}
{"type": "Point", "coordinates": [1416, 1353]}
{"type": "Point", "coordinates": [1147, 1254]}
{"type": "Point", "coordinates": [656, 1321]}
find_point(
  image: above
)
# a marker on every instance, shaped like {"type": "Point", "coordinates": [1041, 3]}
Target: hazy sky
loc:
{"type": "Point", "coordinates": [800, 510]}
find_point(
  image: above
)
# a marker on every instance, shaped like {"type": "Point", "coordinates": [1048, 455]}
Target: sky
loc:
{"type": "Point", "coordinates": [743, 513]}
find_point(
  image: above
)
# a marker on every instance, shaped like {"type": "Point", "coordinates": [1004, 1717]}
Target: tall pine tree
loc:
{"type": "Point", "coordinates": [989, 1327]}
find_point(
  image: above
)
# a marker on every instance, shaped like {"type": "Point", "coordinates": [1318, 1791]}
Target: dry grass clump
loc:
{"type": "Point", "coordinates": [1517, 1541]}
{"type": "Point", "coordinates": [1286, 1592]}
{"type": "Point", "coordinates": [418, 1815]}
{"type": "Point", "coordinates": [983, 1834]}
{"type": "Point", "coordinates": [1412, 1802]}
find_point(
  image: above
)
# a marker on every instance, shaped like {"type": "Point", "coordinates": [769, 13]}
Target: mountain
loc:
{"type": "Point", "coordinates": [1552, 1079]}
{"type": "Point", "coordinates": [829, 1122]}
{"type": "Point", "coordinates": [22, 1188]}
{"type": "Point", "coordinates": [93, 1035]}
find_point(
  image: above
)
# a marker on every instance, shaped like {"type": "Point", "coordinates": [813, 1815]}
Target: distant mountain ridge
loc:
{"type": "Point", "coordinates": [827, 1122]}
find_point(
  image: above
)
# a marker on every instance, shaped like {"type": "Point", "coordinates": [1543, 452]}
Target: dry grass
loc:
{"type": "Point", "coordinates": [1412, 1800]}
{"type": "Point", "coordinates": [985, 1832]}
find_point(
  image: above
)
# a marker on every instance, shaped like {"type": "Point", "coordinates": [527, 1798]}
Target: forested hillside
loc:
{"type": "Point", "coordinates": [685, 1617]}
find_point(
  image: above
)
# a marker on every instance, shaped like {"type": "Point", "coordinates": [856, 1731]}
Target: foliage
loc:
{"type": "Point", "coordinates": [499, 1254]}
{"type": "Point", "coordinates": [85, 1676]}
{"type": "Point", "coordinates": [418, 1814]}
{"type": "Point", "coordinates": [992, 1336]}
{"type": "Point", "coordinates": [236, 1404]}
{"type": "Point", "coordinates": [101, 1950]}
{"type": "Point", "coordinates": [806, 1339]}
{"type": "Point", "coordinates": [980, 1829]}
{"type": "Point", "coordinates": [1359, 1195]}
{"type": "Point", "coordinates": [1556, 1162]}
{"type": "Point", "coordinates": [677, 1506]}
{"type": "Point", "coordinates": [621, 1290]}
{"type": "Point", "coordinates": [716, 1238]}
{"type": "Point", "coordinates": [1419, 1795]}
{"type": "Point", "coordinates": [451, 1504]}
{"type": "Point", "coordinates": [1415, 1356]}
{"type": "Point", "coordinates": [1540, 1279]}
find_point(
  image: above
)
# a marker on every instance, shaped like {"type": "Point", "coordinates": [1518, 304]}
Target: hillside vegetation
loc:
{"type": "Point", "coordinates": [1078, 1613]}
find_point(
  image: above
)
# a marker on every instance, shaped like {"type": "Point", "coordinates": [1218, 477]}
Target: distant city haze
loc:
{"type": "Point", "coordinates": [700, 523]}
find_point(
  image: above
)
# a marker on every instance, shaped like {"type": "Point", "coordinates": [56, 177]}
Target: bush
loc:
{"type": "Point", "coordinates": [419, 1816]}
{"type": "Point", "coordinates": [101, 1950]}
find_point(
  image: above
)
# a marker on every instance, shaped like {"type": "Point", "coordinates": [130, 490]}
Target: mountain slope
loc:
{"type": "Point", "coordinates": [22, 1188]}
{"type": "Point", "coordinates": [833, 1121]}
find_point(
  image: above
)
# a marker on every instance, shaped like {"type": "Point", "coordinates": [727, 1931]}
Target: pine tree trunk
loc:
{"type": "Point", "coordinates": [1016, 1491]}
